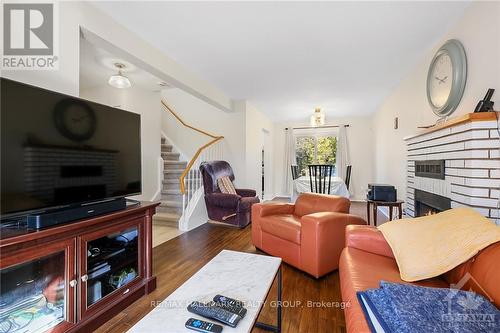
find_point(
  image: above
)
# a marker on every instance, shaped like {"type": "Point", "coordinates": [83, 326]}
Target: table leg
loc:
{"type": "Point", "coordinates": [390, 213]}
{"type": "Point", "coordinates": [375, 214]}
{"type": "Point", "coordinates": [400, 209]}
{"type": "Point", "coordinates": [368, 212]}
{"type": "Point", "coordinates": [276, 328]}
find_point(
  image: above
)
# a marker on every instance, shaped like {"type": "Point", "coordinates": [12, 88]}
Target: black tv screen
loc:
{"type": "Point", "coordinates": [58, 151]}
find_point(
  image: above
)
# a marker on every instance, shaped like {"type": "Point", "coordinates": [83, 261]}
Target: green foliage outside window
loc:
{"type": "Point", "coordinates": [312, 150]}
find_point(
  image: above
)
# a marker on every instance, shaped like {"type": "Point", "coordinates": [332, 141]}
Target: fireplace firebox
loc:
{"type": "Point", "coordinates": [427, 203]}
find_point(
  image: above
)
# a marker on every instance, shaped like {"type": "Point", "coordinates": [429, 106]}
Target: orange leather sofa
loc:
{"type": "Point", "coordinates": [368, 258]}
{"type": "Point", "coordinates": [308, 235]}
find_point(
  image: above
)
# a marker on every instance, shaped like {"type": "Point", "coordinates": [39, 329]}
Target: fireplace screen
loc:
{"type": "Point", "coordinates": [428, 203]}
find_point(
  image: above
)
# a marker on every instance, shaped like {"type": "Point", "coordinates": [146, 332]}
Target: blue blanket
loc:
{"type": "Point", "coordinates": [404, 308]}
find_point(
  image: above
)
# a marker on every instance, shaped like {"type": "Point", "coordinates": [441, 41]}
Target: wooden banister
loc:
{"type": "Point", "coordinates": [215, 138]}
{"type": "Point", "coordinates": [187, 125]}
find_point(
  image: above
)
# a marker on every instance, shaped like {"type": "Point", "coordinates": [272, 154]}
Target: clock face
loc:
{"type": "Point", "coordinates": [446, 78]}
{"type": "Point", "coordinates": [441, 80]}
{"type": "Point", "coordinates": [75, 119]}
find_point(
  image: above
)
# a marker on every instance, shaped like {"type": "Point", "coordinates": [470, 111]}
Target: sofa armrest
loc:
{"type": "Point", "coordinates": [224, 200]}
{"type": "Point", "coordinates": [322, 240]}
{"type": "Point", "coordinates": [367, 238]}
{"type": "Point", "coordinates": [266, 209]}
{"type": "Point", "coordinates": [246, 192]}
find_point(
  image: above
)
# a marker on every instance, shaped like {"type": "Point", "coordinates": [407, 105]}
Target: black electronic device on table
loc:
{"type": "Point", "coordinates": [231, 305]}
{"type": "Point", "coordinates": [381, 192]}
{"type": "Point", "coordinates": [202, 326]}
{"type": "Point", "coordinates": [210, 310]}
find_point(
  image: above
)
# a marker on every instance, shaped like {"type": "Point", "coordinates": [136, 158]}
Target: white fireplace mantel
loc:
{"type": "Point", "coordinates": [470, 147]}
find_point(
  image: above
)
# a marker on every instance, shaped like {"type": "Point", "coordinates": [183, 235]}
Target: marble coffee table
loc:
{"type": "Point", "coordinates": [243, 276]}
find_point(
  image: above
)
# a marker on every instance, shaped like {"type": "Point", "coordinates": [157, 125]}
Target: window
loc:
{"type": "Point", "coordinates": [315, 149]}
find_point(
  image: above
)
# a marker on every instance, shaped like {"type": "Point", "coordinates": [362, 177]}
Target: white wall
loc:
{"type": "Point", "coordinates": [479, 32]}
{"type": "Point", "coordinates": [204, 116]}
{"type": "Point", "coordinates": [74, 15]}
{"type": "Point", "coordinates": [256, 124]}
{"type": "Point", "coordinates": [147, 104]}
{"type": "Point", "coordinates": [360, 143]}
{"type": "Point", "coordinates": [242, 131]}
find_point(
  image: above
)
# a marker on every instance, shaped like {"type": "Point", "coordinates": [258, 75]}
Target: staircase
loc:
{"type": "Point", "coordinates": [182, 189]}
{"type": "Point", "coordinates": [170, 210]}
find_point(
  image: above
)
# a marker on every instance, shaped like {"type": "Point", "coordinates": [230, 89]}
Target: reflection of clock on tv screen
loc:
{"type": "Point", "coordinates": [75, 119]}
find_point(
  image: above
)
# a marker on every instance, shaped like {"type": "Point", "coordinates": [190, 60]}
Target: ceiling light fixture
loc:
{"type": "Point", "coordinates": [318, 118]}
{"type": "Point", "coordinates": [119, 80]}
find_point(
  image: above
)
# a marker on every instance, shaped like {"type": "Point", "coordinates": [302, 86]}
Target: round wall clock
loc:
{"type": "Point", "coordinates": [446, 78]}
{"type": "Point", "coordinates": [75, 119]}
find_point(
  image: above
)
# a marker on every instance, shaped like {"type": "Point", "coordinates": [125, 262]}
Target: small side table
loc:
{"type": "Point", "coordinates": [375, 204]}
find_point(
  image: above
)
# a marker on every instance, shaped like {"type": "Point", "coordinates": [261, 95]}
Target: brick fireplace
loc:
{"type": "Point", "coordinates": [455, 164]}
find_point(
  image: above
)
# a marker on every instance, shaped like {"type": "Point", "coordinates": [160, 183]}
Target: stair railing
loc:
{"type": "Point", "coordinates": [190, 181]}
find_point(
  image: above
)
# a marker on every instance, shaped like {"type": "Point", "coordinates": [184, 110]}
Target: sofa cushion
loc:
{"type": "Point", "coordinates": [284, 226]}
{"type": "Point", "coordinates": [361, 270]}
{"type": "Point", "coordinates": [484, 273]}
{"type": "Point", "coordinates": [308, 203]}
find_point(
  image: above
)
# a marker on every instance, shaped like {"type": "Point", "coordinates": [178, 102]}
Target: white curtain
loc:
{"type": "Point", "coordinates": [342, 153]}
{"type": "Point", "coordinates": [290, 160]}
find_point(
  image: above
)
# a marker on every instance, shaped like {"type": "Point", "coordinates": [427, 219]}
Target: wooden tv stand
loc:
{"type": "Point", "coordinates": [68, 264]}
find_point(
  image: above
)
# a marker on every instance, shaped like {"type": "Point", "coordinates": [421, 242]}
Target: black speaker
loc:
{"type": "Point", "coordinates": [48, 219]}
{"type": "Point", "coordinates": [382, 192]}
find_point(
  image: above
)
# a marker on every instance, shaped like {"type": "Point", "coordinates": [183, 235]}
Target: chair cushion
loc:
{"type": "Point", "coordinates": [284, 226]}
{"type": "Point", "coordinates": [224, 200]}
{"type": "Point", "coordinates": [226, 185]}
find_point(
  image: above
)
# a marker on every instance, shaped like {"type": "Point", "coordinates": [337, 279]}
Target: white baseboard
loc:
{"type": "Point", "coordinates": [281, 195]}
{"type": "Point", "coordinates": [157, 194]}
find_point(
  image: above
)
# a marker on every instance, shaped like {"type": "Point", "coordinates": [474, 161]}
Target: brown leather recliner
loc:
{"type": "Point", "coordinates": [368, 258]}
{"type": "Point", "coordinates": [308, 235]}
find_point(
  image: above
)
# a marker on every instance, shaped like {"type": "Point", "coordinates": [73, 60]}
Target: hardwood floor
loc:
{"type": "Point", "coordinates": [162, 234]}
{"type": "Point", "coordinates": [179, 258]}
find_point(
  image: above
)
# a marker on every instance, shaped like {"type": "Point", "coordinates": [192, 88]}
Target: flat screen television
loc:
{"type": "Point", "coordinates": [58, 151]}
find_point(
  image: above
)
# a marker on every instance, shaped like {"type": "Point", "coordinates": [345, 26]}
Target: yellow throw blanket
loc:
{"type": "Point", "coordinates": [429, 246]}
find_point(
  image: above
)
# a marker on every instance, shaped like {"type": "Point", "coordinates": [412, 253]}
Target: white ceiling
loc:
{"type": "Point", "coordinates": [288, 57]}
{"type": "Point", "coordinates": [96, 66]}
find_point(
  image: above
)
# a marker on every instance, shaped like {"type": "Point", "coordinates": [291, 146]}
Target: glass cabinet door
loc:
{"type": "Point", "coordinates": [36, 294]}
{"type": "Point", "coordinates": [113, 263]}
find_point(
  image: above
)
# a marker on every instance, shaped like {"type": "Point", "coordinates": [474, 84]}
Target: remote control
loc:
{"type": "Point", "coordinates": [211, 311]}
{"type": "Point", "coordinates": [203, 326]}
{"type": "Point", "coordinates": [231, 305]}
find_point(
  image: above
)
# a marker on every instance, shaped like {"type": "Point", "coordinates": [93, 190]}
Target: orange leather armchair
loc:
{"type": "Point", "coordinates": [308, 235]}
